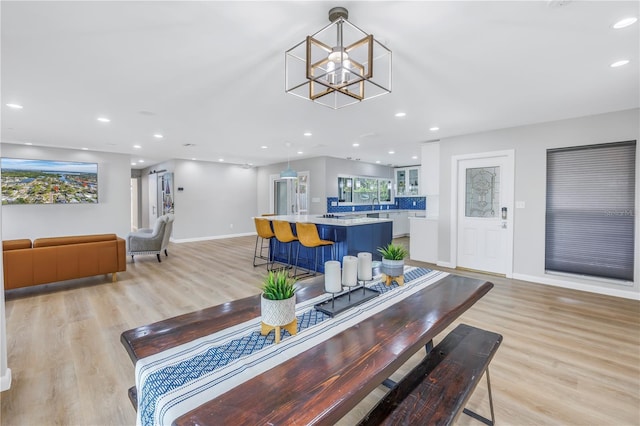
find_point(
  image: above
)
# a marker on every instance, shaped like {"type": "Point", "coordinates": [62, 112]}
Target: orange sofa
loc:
{"type": "Point", "coordinates": [61, 258]}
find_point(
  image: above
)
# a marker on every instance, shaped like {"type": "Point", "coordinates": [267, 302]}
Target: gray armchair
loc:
{"type": "Point", "coordinates": [151, 241]}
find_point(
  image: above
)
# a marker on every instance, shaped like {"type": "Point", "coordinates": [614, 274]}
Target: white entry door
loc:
{"type": "Point", "coordinates": [484, 214]}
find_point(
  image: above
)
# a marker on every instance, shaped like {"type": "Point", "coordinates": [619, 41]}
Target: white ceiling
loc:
{"type": "Point", "coordinates": [212, 74]}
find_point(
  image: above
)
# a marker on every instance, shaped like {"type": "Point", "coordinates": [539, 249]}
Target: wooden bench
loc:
{"type": "Point", "coordinates": [436, 390]}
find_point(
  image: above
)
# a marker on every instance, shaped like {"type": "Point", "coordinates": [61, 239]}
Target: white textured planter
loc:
{"type": "Point", "coordinates": [278, 313]}
{"type": "Point", "coordinates": [393, 268]}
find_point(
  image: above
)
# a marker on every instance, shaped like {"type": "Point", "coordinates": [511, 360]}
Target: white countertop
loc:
{"type": "Point", "coordinates": [342, 220]}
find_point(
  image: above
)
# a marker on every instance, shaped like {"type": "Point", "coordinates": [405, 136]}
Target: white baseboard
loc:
{"type": "Point", "coordinates": [446, 264]}
{"type": "Point", "coordinates": [213, 237]}
{"type": "Point", "coordinates": [5, 380]}
{"type": "Point", "coordinates": [578, 286]}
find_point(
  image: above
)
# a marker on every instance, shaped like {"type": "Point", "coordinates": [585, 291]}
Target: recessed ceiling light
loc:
{"type": "Point", "coordinates": [85, 149]}
{"type": "Point", "coordinates": [103, 119]}
{"type": "Point", "coordinates": [619, 63]}
{"type": "Point", "coordinates": [415, 157]}
{"type": "Point", "coordinates": [434, 128]}
{"type": "Point", "coordinates": [392, 152]}
{"type": "Point", "coordinates": [401, 114]}
{"type": "Point", "coordinates": [14, 106]}
{"type": "Point", "coordinates": [250, 164]}
{"type": "Point", "coordinates": [158, 136]}
{"type": "Point", "coordinates": [133, 164]}
{"type": "Point", "coordinates": [356, 144]}
{"type": "Point", "coordinates": [264, 147]}
{"type": "Point", "coordinates": [377, 161]}
{"type": "Point", "coordinates": [625, 22]}
{"type": "Point", "coordinates": [307, 133]}
{"type": "Point", "coordinates": [221, 159]}
{"type": "Point", "coordinates": [140, 161]}
{"type": "Point", "coordinates": [137, 146]}
{"type": "Point", "coordinates": [193, 159]}
{"type": "Point", "coordinates": [28, 143]}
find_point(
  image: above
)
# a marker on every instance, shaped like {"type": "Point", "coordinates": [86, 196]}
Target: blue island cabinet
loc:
{"type": "Point", "coordinates": [350, 236]}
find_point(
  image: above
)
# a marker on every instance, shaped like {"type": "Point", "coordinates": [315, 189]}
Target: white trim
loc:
{"type": "Point", "coordinates": [453, 228]}
{"type": "Point", "coordinates": [5, 380]}
{"type": "Point", "coordinates": [445, 264]}
{"type": "Point", "coordinates": [578, 286]}
{"type": "Point", "coordinates": [272, 179]}
{"type": "Point", "coordinates": [212, 237]}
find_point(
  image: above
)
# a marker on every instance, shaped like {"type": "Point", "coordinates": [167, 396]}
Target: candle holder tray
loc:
{"type": "Point", "coordinates": [347, 300]}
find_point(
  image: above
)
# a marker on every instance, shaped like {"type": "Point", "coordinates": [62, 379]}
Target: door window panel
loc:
{"type": "Point", "coordinates": [482, 192]}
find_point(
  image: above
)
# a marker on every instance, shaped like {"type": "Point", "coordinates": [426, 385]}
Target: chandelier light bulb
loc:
{"type": "Point", "coordinates": [338, 54]}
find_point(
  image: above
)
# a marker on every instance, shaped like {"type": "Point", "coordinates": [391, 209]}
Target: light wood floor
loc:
{"type": "Point", "coordinates": [568, 357]}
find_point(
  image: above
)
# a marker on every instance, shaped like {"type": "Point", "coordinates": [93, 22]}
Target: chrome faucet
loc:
{"type": "Point", "coordinates": [373, 203]}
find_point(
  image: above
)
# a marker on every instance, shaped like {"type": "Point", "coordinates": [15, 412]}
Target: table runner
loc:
{"type": "Point", "coordinates": [179, 379]}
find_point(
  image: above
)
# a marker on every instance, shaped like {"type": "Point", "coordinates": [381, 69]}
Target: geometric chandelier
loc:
{"type": "Point", "coordinates": [339, 65]}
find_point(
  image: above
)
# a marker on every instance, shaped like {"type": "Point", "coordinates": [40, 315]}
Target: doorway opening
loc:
{"type": "Point", "coordinates": [289, 196]}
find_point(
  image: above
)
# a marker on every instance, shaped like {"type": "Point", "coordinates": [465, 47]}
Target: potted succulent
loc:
{"type": "Point", "coordinates": [278, 303]}
{"type": "Point", "coordinates": [393, 259]}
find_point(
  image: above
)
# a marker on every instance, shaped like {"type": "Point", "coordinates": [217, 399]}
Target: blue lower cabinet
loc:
{"type": "Point", "coordinates": [348, 241]}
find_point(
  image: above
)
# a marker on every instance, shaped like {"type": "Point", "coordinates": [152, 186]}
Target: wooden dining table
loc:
{"type": "Point", "coordinates": [322, 384]}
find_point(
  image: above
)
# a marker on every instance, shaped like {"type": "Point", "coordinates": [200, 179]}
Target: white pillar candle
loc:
{"type": "Point", "coordinates": [364, 266]}
{"type": "Point", "coordinates": [332, 282]}
{"type": "Point", "coordinates": [350, 271]}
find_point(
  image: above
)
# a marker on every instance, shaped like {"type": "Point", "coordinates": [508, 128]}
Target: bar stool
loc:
{"type": "Point", "coordinates": [309, 237]}
{"type": "Point", "coordinates": [263, 228]}
{"type": "Point", "coordinates": [284, 234]}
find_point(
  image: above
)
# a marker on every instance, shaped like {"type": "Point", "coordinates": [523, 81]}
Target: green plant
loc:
{"type": "Point", "coordinates": [278, 285]}
{"type": "Point", "coordinates": [393, 252]}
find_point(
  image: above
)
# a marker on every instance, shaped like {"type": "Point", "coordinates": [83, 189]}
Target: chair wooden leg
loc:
{"type": "Point", "coordinates": [158, 255]}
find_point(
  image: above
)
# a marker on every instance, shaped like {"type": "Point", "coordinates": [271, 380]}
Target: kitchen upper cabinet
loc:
{"type": "Point", "coordinates": [408, 181]}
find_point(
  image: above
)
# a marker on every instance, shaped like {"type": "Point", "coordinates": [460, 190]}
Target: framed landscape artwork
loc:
{"type": "Point", "coordinates": [48, 182]}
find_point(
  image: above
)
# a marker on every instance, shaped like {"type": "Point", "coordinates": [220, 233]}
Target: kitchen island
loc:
{"type": "Point", "coordinates": [350, 236]}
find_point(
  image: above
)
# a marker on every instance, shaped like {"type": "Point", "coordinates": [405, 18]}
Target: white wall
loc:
{"type": "Point", "coordinates": [530, 144]}
{"type": "Point", "coordinates": [217, 200]}
{"type": "Point", "coordinates": [112, 214]}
